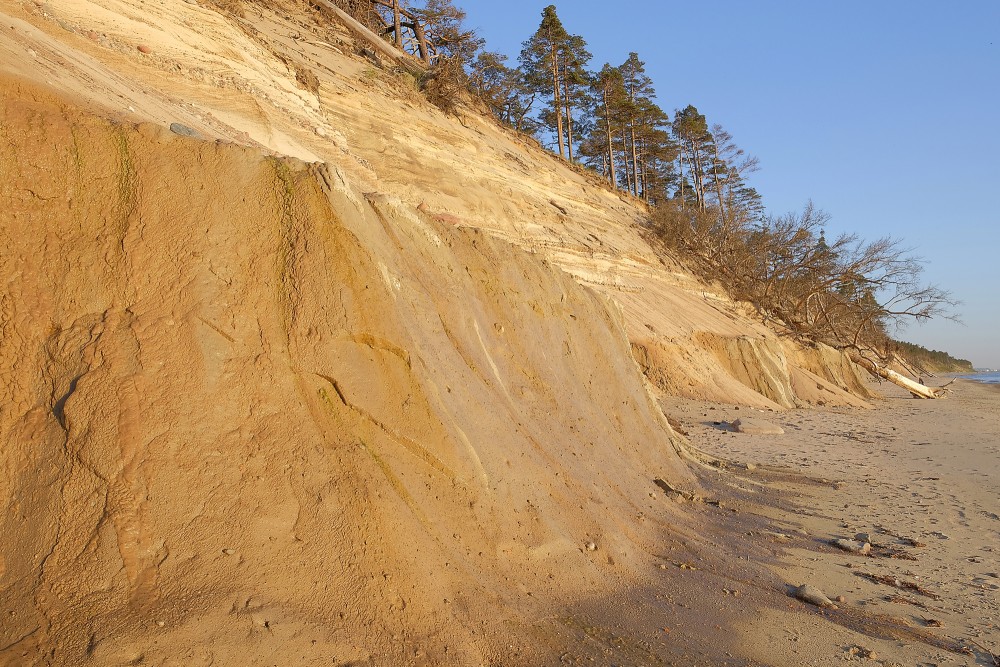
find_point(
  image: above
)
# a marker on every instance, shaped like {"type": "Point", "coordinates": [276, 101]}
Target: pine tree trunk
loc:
{"type": "Point", "coordinates": [698, 173]}
{"type": "Point", "coordinates": [556, 102]}
{"type": "Point", "coordinates": [680, 159]}
{"type": "Point", "coordinates": [421, 41]}
{"type": "Point", "coordinates": [644, 172]}
{"type": "Point", "coordinates": [718, 183]}
{"type": "Point", "coordinates": [635, 161]}
{"type": "Point", "coordinates": [915, 388]}
{"type": "Point", "coordinates": [628, 165]}
{"type": "Point", "coordinates": [569, 118]}
{"type": "Point", "coordinates": [611, 145]}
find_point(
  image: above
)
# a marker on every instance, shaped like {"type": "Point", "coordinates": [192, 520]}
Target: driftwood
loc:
{"type": "Point", "coordinates": [915, 388]}
{"type": "Point", "coordinates": [886, 580]}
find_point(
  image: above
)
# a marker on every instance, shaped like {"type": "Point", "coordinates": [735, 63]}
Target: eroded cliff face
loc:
{"type": "Point", "coordinates": [237, 78]}
{"type": "Point", "coordinates": [338, 379]}
{"type": "Point", "coordinates": [244, 402]}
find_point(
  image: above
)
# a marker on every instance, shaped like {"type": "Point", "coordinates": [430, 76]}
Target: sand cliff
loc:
{"type": "Point", "coordinates": [340, 377]}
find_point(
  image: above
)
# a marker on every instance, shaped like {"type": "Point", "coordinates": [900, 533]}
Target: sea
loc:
{"type": "Point", "coordinates": [992, 377]}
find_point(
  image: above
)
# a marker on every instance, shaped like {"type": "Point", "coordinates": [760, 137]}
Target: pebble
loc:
{"type": "Point", "coordinates": [590, 546]}
{"type": "Point", "coordinates": [184, 130]}
{"type": "Point", "coordinates": [144, 49]}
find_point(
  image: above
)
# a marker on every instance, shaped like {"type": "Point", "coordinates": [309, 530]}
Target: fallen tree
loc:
{"type": "Point", "coordinates": [378, 44]}
{"type": "Point", "coordinates": [847, 293]}
{"type": "Point", "coordinates": [918, 390]}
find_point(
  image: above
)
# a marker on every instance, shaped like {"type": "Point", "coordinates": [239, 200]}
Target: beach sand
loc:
{"type": "Point", "coordinates": [920, 479]}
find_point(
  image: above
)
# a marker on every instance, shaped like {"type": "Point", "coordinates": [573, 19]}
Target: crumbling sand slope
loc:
{"type": "Point", "coordinates": [249, 78]}
{"type": "Point", "coordinates": [244, 402]}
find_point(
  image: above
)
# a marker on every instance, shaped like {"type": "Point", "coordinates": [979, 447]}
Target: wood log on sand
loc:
{"type": "Point", "coordinates": [915, 388]}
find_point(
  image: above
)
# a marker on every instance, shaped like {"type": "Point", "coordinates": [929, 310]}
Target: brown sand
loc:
{"type": "Point", "coordinates": [905, 471]}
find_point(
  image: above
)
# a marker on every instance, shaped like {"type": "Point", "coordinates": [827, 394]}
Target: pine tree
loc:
{"type": "Point", "coordinates": [446, 31]}
{"type": "Point", "coordinates": [501, 89]}
{"type": "Point", "coordinates": [691, 131]}
{"type": "Point", "coordinates": [575, 58]}
{"type": "Point", "coordinates": [542, 66]}
{"type": "Point", "coordinates": [656, 151]}
{"type": "Point", "coordinates": [608, 94]}
{"type": "Point", "coordinates": [638, 99]}
{"type": "Point", "coordinates": [736, 201]}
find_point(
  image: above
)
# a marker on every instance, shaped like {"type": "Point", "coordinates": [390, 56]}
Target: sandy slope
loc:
{"type": "Point", "coordinates": [241, 397]}
{"type": "Point", "coordinates": [234, 78]}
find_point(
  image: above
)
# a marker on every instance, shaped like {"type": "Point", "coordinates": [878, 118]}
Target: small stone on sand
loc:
{"type": "Point", "coordinates": [852, 546]}
{"type": "Point", "coordinates": [183, 130]}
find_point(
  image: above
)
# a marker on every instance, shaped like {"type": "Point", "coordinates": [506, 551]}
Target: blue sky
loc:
{"type": "Point", "coordinates": [884, 113]}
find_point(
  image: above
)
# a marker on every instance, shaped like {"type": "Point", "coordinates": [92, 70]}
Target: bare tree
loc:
{"type": "Point", "coordinates": [848, 293]}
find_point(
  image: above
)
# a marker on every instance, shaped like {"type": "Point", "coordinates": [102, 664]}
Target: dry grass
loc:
{"type": "Point", "coordinates": [234, 7]}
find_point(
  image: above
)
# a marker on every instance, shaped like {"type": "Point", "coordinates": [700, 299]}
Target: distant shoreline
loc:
{"type": "Point", "coordinates": [992, 378]}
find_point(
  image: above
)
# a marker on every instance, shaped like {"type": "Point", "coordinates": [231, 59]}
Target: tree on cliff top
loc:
{"type": "Point", "coordinates": [542, 66]}
{"type": "Point", "coordinates": [502, 90]}
{"type": "Point", "coordinates": [447, 33]}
